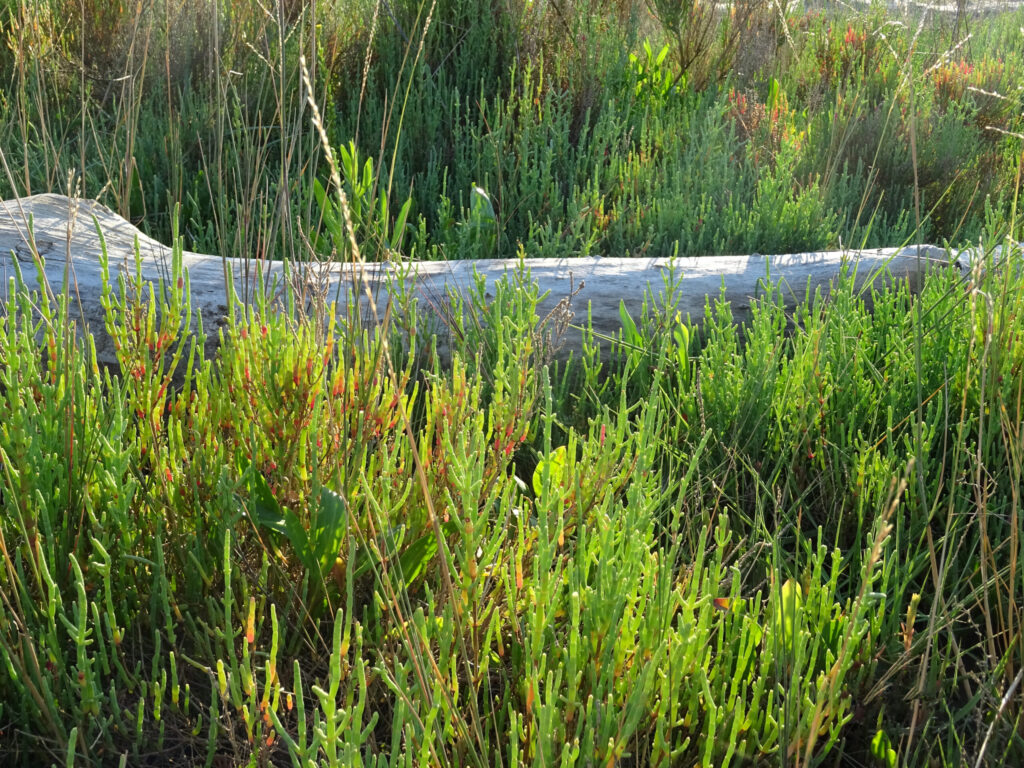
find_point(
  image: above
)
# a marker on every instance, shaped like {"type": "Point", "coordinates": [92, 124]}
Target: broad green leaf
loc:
{"type": "Point", "coordinates": [417, 557]}
{"type": "Point", "coordinates": [555, 463]}
{"type": "Point", "coordinates": [785, 621]}
{"type": "Point", "coordinates": [480, 204]}
{"type": "Point", "coordinates": [267, 512]}
{"type": "Point", "coordinates": [630, 334]}
{"type": "Point", "coordinates": [264, 509]}
{"type": "Point", "coordinates": [328, 529]}
{"type": "Point", "coordinates": [399, 230]}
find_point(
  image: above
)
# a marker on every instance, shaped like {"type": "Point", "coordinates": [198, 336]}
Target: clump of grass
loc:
{"type": "Point", "coordinates": [719, 555]}
{"type": "Point", "coordinates": [586, 136]}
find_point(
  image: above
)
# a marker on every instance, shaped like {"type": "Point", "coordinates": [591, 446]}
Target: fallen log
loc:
{"type": "Point", "coordinates": [65, 241]}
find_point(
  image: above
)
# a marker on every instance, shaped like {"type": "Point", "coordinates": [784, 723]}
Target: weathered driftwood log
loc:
{"type": "Point", "coordinates": [65, 239]}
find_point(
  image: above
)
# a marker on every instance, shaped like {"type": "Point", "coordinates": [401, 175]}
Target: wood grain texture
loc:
{"type": "Point", "coordinates": [67, 242]}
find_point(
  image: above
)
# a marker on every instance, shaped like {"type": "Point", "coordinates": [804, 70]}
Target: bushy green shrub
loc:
{"type": "Point", "coordinates": [590, 127]}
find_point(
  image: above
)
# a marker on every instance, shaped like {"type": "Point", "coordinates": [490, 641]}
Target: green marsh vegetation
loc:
{"type": "Point", "coordinates": [795, 543]}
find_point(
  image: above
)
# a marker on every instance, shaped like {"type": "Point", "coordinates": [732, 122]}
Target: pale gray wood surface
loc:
{"type": "Point", "coordinates": [66, 240]}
